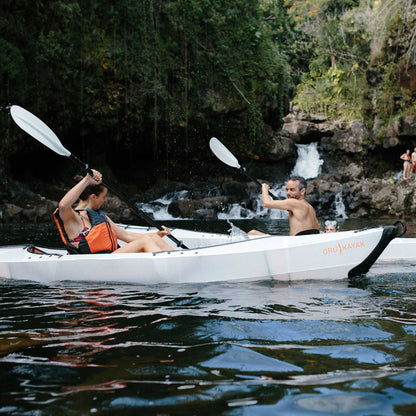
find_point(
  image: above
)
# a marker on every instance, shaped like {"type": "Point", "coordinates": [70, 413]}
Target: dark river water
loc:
{"type": "Point", "coordinates": [258, 348]}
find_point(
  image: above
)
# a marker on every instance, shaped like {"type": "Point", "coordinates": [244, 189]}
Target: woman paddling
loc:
{"type": "Point", "coordinates": [86, 229]}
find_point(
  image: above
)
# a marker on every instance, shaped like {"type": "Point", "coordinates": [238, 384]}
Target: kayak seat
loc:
{"type": "Point", "coordinates": [34, 250]}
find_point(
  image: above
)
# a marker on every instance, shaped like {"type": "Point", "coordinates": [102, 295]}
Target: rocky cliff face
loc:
{"type": "Point", "coordinates": [360, 166]}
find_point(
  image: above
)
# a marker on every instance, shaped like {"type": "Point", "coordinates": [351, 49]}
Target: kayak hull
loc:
{"type": "Point", "coordinates": [286, 258]}
{"type": "Point", "coordinates": [400, 250]}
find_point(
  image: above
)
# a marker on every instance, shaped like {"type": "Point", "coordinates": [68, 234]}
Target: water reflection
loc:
{"type": "Point", "coordinates": [325, 401]}
{"type": "Point", "coordinates": [299, 348]}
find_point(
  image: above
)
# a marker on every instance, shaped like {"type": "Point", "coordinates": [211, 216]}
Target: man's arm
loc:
{"type": "Point", "coordinates": [268, 202]}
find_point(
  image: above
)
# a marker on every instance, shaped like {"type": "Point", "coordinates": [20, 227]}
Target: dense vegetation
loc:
{"type": "Point", "coordinates": [141, 86]}
{"type": "Point", "coordinates": [361, 58]}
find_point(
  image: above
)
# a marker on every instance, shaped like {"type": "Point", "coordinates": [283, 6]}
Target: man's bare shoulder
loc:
{"type": "Point", "coordinates": [299, 203]}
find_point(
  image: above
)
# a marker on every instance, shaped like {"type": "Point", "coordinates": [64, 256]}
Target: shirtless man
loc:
{"type": "Point", "coordinates": [302, 217]}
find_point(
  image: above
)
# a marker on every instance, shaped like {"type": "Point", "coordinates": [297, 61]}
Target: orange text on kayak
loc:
{"type": "Point", "coordinates": [340, 248]}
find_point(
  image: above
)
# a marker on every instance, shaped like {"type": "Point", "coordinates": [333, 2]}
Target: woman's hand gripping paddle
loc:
{"type": "Point", "coordinates": [41, 132]}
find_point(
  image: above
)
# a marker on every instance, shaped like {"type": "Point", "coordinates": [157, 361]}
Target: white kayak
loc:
{"type": "Point", "coordinates": [210, 257]}
{"type": "Point", "coordinates": [399, 251]}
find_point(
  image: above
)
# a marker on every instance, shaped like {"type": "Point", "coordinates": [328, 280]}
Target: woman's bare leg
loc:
{"type": "Point", "coordinates": [145, 244]}
{"type": "Point", "coordinates": [161, 243]}
{"type": "Point", "coordinates": [255, 232]}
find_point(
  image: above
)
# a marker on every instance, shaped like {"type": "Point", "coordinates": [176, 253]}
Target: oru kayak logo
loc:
{"type": "Point", "coordinates": [340, 248]}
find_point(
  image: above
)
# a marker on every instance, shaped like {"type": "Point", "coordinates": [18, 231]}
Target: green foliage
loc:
{"type": "Point", "coordinates": [149, 82]}
{"type": "Point", "coordinates": [335, 82]}
{"type": "Point", "coordinates": [389, 17]}
{"type": "Point", "coordinates": [335, 93]}
{"type": "Point", "coordinates": [152, 78]}
{"type": "Point", "coordinates": [351, 37]}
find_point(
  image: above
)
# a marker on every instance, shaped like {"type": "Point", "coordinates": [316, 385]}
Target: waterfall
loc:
{"type": "Point", "coordinates": [339, 206]}
{"type": "Point", "coordinates": [308, 165]}
{"type": "Point", "coordinates": [158, 209]}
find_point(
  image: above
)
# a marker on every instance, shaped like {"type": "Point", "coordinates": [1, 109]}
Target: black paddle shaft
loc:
{"type": "Point", "coordinates": [134, 209]}
{"type": "Point", "coordinates": [243, 171]}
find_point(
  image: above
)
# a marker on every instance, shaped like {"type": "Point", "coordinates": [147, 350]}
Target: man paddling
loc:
{"type": "Point", "coordinates": [302, 217]}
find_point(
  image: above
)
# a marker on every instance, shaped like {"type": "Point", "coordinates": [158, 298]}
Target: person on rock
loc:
{"type": "Point", "coordinates": [87, 229]}
{"type": "Point", "coordinates": [413, 160]}
{"type": "Point", "coordinates": [302, 216]}
{"type": "Point", "coordinates": [407, 165]}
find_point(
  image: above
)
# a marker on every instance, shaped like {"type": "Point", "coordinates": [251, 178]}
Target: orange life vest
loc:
{"type": "Point", "coordinates": [100, 239]}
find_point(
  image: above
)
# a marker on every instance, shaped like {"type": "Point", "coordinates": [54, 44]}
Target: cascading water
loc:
{"type": "Point", "coordinates": [159, 207]}
{"type": "Point", "coordinates": [308, 165]}
{"type": "Point", "coordinates": [339, 206]}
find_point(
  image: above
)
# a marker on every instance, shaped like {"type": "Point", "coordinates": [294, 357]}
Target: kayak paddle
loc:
{"type": "Point", "coordinates": [229, 159]}
{"type": "Point", "coordinates": [41, 132]}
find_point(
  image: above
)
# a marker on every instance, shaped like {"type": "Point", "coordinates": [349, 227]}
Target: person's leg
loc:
{"type": "Point", "coordinates": [143, 244]}
{"type": "Point", "coordinates": [255, 232]}
{"type": "Point", "coordinates": [161, 243]}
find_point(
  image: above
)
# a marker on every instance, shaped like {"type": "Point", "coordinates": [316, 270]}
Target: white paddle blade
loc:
{"type": "Point", "coordinates": [223, 153]}
{"type": "Point", "coordinates": [37, 129]}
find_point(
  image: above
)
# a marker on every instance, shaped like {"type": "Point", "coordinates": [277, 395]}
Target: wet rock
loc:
{"type": "Point", "coordinates": [322, 193]}
{"type": "Point", "coordinates": [405, 126]}
{"type": "Point", "coordinates": [189, 208]}
{"type": "Point", "coordinates": [204, 214]}
{"type": "Point", "coordinates": [11, 212]}
{"type": "Point", "coordinates": [119, 211]}
{"type": "Point", "coordinates": [35, 209]}
{"type": "Point", "coordinates": [347, 140]}
{"type": "Point", "coordinates": [236, 191]}
{"type": "Point", "coordinates": [352, 171]}
{"type": "Point", "coordinates": [282, 147]}
{"type": "Point", "coordinates": [307, 128]}
{"type": "Point", "coordinates": [160, 188]}
{"type": "Point", "coordinates": [181, 208]}
{"type": "Point", "coordinates": [361, 197]}
{"type": "Point", "coordinates": [401, 129]}
{"type": "Point", "coordinates": [217, 203]}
